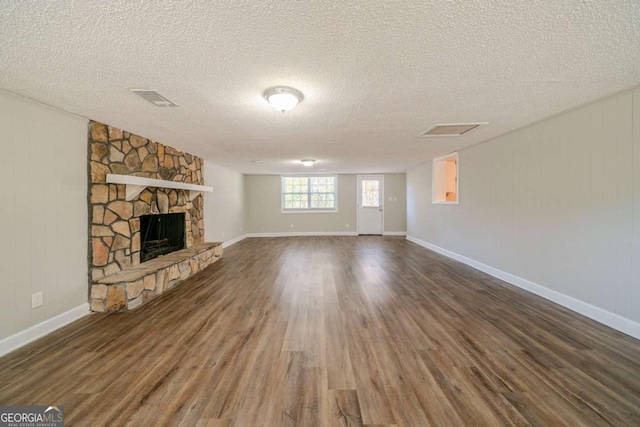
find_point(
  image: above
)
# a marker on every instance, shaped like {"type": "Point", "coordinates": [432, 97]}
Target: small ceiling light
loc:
{"type": "Point", "coordinates": [308, 162]}
{"type": "Point", "coordinates": [283, 98]}
{"type": "Point", "coordinates": [257, 162]}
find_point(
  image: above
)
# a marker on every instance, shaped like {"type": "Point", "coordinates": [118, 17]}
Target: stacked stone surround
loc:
{"type": "Point", "coordinates": [132, 287]}
{"type": "Point", "coordinates": [114, 235]}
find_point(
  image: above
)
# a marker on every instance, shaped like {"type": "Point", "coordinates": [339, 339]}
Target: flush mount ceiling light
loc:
{"type": "Point", "coordinates": [308, 162]}
{"type": "Point", "coordinates": [283, 98]}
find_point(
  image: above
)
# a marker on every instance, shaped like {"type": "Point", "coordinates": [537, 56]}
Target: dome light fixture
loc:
{"type": "Point", "coordinates": [308, 162]}
{"type": "Point", "coordinates": [283, 98]}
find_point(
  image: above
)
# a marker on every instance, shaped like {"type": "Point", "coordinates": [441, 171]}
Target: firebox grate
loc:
{"type": "Point", "coordinates": [161, 234]}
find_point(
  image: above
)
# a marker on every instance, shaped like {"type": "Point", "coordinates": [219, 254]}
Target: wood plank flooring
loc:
{"type": "Point", "coordinates": [333, 331]}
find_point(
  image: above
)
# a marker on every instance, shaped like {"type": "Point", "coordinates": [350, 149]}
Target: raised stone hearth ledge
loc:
{"type": "Point", "coordinates": [133, 286]}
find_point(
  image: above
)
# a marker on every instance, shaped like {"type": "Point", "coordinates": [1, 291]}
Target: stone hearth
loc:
{"type": "Point", "coordinates": [133, 286]}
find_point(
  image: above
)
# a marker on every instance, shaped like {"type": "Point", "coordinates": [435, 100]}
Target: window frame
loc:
{"type": "Point", "coordinates": [309, 209]}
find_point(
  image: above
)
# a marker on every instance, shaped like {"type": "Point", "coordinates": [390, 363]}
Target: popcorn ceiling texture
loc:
{"type": "Point", "coordinates": [374, 73]}
{"type": "Point", "coordinates": [114, 240]}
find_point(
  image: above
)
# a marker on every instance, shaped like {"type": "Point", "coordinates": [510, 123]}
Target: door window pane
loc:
{"type": "Point", "coordinates": [370, 193]}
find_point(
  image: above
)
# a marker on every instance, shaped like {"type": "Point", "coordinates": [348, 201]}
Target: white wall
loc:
{"type": "Point", "coordinates": [556, 204]}
{"type": "Point", "coordinates": [43, 212]}
{"type": "Point", "coordinates": [264, 207]}
{"type": "Point", "coordinates": [224, 208]}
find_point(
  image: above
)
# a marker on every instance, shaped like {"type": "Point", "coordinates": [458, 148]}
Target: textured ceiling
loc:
{"type": "Point", "coordinates": [374, 73]}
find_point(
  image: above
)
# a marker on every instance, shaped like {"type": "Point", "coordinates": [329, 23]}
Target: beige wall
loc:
{"type": "Point", "coordinates": [264, 214]}
{"type": "Point", "coordinates": [556, 203]}
{"type": "Point", "coordinates": [43, 212]}
{"type": "Point", "coordinates": [395, 210]}
{"type": "Point", "coordinates": [224, 208]}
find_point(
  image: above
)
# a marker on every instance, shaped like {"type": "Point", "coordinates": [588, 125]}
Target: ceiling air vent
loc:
{"type": "Point", "coordinates": [153, 97]}
{"type": "Point", "coordinates": [450, 129]}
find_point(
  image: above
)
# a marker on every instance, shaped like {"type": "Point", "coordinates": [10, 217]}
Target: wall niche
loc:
{"type": "Point", "coordinates": [445, 179]}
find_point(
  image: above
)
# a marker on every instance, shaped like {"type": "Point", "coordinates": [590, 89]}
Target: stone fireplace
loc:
{"type": "Point", "coordinates": [117, 218]}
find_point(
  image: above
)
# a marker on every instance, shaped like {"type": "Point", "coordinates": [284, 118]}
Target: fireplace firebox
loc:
{"type": "Point", "coordinates": [161, 234]}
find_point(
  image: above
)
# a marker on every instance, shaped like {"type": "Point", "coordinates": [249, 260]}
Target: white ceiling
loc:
{"type": "Point", "coordinates": [374, 73]}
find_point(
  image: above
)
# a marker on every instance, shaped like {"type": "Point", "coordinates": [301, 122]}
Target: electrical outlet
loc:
{"type": "Point", "coordinates": [347, 225]}
{"type": "Point", "coordinates": [291, 225]}
{"type": "Point", "coordinates": [36, 300]}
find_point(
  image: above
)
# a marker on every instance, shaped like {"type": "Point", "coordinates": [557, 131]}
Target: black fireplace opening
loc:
{"type": "Point", "coordinates": [161, 234]}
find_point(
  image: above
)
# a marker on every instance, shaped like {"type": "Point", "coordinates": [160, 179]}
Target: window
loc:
{"type": "Point", "coordinates": [445, 179]}
{"type": "Point", "coordinates": [309, 193]}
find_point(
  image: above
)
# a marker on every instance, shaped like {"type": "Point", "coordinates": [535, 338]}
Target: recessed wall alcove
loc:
{"type": "Point", "coordinates": [445, 179]}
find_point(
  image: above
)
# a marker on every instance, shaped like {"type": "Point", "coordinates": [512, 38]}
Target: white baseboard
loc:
{"type": "Point", "coordinates": [304, 233]}
{"type": "Point", "coordinates": [394, 233]}
{"type": "Point", "coordinates": [605, 317]}
{"type": "Point", "coordinates": [319, 233]}
{"type": "Point", "coordinates": [41, 329]}
{"type": "Point", "coordinates": [233, 241]}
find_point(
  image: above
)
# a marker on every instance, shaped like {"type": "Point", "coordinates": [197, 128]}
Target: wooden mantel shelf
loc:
{"type": "Point", "coordinates": [135, 185]}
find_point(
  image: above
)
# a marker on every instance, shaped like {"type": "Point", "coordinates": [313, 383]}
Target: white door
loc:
{"type": "Point", "coordinates": [370, 204]}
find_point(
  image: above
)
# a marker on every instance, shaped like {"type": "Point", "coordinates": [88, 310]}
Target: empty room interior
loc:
{"type": "Point", "coordinates": [285, 213]}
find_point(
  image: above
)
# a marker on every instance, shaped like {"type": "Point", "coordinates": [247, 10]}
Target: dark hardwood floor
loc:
{"type": "Point", "coordinates": [324, 331]}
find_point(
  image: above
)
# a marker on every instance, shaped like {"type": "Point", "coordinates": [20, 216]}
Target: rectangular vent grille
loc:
{"type": "Point", "coordinates": [154, 97]}
{"type": "Point", "coordinates": [451, 129]}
